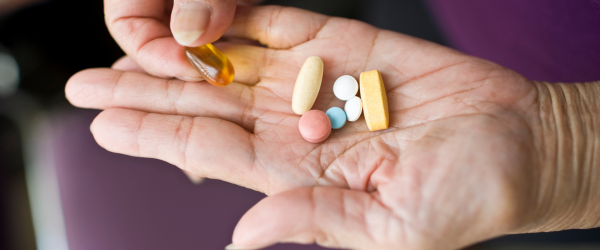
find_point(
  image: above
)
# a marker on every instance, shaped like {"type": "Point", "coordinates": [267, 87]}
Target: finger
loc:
{"type": "Point", "coordinates": [276, 26]}
{"type": "Point", "coordinates": [125, 63]}
{"type": "Point", "coordinates": [199, 22]}
{"type": "Point", "coordinates": [141, 28]}
{"type": "Point", "coordinates": [331, 217]}
{"type": "Point", "coordinates": [204, 147]}
{"type": "Point", "coordinates": [107, 88]}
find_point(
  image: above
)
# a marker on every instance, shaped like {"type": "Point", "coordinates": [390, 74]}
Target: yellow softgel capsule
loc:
{"type": "Point", "coordinates": [375, 105]}
{"type": "Point", "coordinates": [212, 64]}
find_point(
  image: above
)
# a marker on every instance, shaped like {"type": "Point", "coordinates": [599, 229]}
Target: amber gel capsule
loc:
{"type": "Point", "coordinates": [211, 63]}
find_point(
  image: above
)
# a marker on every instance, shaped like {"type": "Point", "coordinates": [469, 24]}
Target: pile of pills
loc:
{"type": "Point", "coordinates": [315, 125]}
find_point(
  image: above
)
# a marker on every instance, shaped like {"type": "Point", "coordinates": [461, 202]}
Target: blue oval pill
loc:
{"type": "Point", "coordinates": [337, 116]}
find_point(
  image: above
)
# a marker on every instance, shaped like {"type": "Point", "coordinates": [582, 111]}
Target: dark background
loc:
{"type": "Point", "coordinates": [53, 40]}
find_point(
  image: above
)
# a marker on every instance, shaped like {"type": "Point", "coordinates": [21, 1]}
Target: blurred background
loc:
{"type": "Point", "coordinates": [60, 190]}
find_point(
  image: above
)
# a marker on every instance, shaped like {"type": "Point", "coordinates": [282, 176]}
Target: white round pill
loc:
{"type": "Point", "coordinates": [345, 87]}
{"type": "Point", "coordinates": [353, 108]}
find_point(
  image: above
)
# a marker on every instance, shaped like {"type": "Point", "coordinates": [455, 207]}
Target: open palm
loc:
{"type": "Point", "coordinates": [453, 168]}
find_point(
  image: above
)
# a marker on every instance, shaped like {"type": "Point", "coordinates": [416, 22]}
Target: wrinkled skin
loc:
{"type": "Point", "coordinates": [457, 165]}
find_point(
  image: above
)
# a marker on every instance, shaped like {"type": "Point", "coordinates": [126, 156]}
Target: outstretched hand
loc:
{"type": "Point", "coordinates": [457, 165]}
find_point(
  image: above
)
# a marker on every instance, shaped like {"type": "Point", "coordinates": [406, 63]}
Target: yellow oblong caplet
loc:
{"type": "Point", "coordinates": [375, 104]}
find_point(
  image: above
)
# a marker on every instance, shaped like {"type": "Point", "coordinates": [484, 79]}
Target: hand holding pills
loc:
{"type": "Point", "coordinates": [459, 162]}
{"type": "Point", "coordinates": [153, 32]}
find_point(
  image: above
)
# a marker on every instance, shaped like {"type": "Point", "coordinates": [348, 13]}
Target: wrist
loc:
{"type": "Point", "coordinates": [568, 147]}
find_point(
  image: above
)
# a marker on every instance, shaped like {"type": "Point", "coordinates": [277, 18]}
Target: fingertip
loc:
{"type": "Point", "coordinates": [187, 38]}
{"type": "Point", "coordinates": [190, 19]}
{"type": "Point", "coordinates": [99, 125]}
{"type": "Point", "coordinates": [273, 219]}
{"type": "Point", "coordinates": [114, 129]}
{"type": "Point", "coordinates": [102, 122]}
{"type": "Point", "coordinates": [78, 89]}
{"type": "Point", "coordinates": [71, 86]}
{"type": "Point", "coordinates": [195, 23]}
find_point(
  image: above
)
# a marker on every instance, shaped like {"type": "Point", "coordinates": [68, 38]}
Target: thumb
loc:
{"type": "Point", "coordinates": [331, 217]}
{"type": "Point", "coordinates": [198, 22]}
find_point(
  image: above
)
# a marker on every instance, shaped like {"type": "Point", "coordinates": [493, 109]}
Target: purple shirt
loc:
{"type": "Point", "coordinates": [555, 41]}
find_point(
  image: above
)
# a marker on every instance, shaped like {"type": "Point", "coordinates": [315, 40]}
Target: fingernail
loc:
{"type": "Point", "coordinates": [234, 247]}
{"type": "Point", "coordinates": [190, 79]}
{"type": "Point", "coordinates": [190, 22]}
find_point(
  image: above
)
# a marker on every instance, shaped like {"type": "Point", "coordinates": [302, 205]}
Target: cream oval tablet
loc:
{"type": "Point", "coordinates": [345, 87]}
{"type": "Point", "coordinates": [307, 85]}
{"type": "Point", "coordinates": [353, 108]}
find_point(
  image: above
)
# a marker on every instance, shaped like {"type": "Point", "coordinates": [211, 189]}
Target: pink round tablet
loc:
{"type": "Point", "coordinates": [315, 126]}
